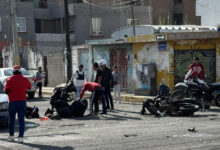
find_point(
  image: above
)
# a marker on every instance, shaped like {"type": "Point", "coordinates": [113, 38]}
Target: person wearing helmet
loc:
{"type": "Point", "coordinates": [16, 87]}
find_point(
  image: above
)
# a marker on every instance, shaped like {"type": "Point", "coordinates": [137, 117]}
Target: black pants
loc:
{"type": "Point", "coordinates": [144, 106]}
{"type": "Point", "coordinates": [108, 98]}
{"type": "Point", "coordinates": [40, 88]}
{"type": "Point", "coordinates": [95, 100]}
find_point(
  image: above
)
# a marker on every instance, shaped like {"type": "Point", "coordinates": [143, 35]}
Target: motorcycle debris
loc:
{"type": "Point", "coordinates": [192, 130]}
{"type": "Point", "coordinates": [130, 135]}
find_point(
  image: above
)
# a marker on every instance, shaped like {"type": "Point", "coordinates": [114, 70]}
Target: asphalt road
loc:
{"type": "Point", "coordinates": [121, 129]}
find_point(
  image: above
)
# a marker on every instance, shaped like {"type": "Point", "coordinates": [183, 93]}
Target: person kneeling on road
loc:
{"type": "Point", "coordinates": [97, 92]}
{"type": "Point", "coordinates": [16, 87]}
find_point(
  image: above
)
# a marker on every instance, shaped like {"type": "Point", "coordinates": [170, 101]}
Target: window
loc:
{"type": "Point", "coordinates": [133, 22]}
{"type": "Point", "coordinates": [43, 4]}
{"type": "Point", "coordinates": [21, 24]}
{"type": "Point", "coordinates": [177, 1]}
{"type": "Point", "coordinates": [96, 26]}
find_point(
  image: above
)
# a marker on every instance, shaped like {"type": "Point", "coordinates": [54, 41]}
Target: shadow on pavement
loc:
{"type": "Point", "coordinates": [51, 135]}
{"type": "Point", "coordinates": [47, 147]}
{"type": "Point", "coordinates": [43, 147]}
{"type": "Point", "coordinates": [38, 99]}
{"type": "Point", "coordinates": [133, 112]}
{"type": "Point", "coordinates": [122, 118]}
{"type": "Point", "coordinates": [215, 110]}
{"type": "Point", "coordinates": [28, 125]}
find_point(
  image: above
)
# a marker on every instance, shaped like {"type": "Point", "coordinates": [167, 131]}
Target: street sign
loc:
{"type": "Point", "coordinates": [160, 37]}
{"type": "Point", "coordinates": [162, 45]}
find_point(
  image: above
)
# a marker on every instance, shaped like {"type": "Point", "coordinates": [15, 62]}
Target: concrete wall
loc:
{"type": "Point", "coordinates": [149, 53]}
{"type": "Point", "coordinates": [111, 20]}
{"type": "Point", "coordinates": [208, 10]}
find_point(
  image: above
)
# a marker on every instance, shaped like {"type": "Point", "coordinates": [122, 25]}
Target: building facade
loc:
{"type": "Point", "coordinates": [161, 56]}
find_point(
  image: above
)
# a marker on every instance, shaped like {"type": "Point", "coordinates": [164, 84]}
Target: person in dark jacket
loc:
{"type": "Point", "coordinates": [16, 87]}
{"type": "Point", "coordinates": [107, 80]}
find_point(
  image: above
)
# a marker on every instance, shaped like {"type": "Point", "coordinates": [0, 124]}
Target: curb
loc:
{"type": "Point", "coordinates": [125, 97]}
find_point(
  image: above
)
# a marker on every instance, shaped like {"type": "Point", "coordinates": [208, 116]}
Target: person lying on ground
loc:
{"type": "Point", "coordinates": [97, 92]}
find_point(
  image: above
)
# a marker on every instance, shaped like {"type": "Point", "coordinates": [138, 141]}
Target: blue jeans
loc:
{"type": "Point", "coordinates": [20, 108]}
{"type": "Point", "coordinates": [78, 91]}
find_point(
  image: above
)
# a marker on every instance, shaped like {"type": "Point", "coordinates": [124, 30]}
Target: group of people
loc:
{"type": "Point", "coordinates": [104, 80]}
{"type": "Point", "coordinates": [17, 86]}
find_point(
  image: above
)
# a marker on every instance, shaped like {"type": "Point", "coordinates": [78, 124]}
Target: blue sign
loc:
{"type": "Point", "coordinates": [162, 46]}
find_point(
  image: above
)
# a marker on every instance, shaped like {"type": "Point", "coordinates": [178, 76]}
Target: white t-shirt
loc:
{"type": "Point", "coordinates": [79, 82]}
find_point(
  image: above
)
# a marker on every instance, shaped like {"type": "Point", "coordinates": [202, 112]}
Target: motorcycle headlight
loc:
{"type": "Point", "coordinates": [3, 106]}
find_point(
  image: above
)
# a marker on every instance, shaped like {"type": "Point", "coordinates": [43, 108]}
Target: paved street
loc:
{"type": "Point", "coordinates": [123, 128]}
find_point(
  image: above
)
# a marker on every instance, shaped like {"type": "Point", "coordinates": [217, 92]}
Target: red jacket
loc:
{"type": "Point", "coordinates": [197, 70]}
{"type": "Point", "coordinates": [89, 86]}
{"type": "Point", "coordinates": [17, 87]}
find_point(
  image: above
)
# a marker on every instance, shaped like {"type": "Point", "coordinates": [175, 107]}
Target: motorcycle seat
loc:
{"type": "Point", "coordinates": [215, 86]}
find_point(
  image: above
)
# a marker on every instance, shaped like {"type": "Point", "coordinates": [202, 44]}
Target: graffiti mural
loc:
{"type": "Point", "coordinates": [183, 58]}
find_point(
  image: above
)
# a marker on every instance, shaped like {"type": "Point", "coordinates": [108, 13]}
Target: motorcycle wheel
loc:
{"type": "Point", "coordinates": [217, 101]}
{"type": "Point", "coordinates": [187, 109]}
{"type": "Point", "coordinates": [151, 107]}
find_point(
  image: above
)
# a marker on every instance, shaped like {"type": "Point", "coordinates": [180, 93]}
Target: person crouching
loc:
{"type": "Point", "coordinates": [97, 92]}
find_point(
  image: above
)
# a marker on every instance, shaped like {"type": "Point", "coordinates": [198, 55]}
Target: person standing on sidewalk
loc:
{"type": "Point", "coordinates": [116, 83]}
{"type": "Point", "coordinates": [39, 80]}
{"type": "Point", "coordinates": [16, 87]}
{"type": "Point", "coordinates": [107, 82]}
{"type": "Point", "coordinates": [79, 75]}
{"type": "Point", "coordinates": [97, 92]}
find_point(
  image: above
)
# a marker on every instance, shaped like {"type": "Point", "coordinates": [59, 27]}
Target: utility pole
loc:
{"type": "Point", "coordinates": [132, 11]}
{"type": "Point", "coordinates": [15, 50]}
{"type": "Point", "coordinates": [68, 44]}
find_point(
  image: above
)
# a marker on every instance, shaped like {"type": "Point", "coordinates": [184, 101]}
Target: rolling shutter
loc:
{"type": "Point", "coordinates": [183, 58]}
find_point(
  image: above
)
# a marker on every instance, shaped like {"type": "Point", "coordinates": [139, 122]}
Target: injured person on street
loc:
{"type": "Point", "coordinates": [97, 93]}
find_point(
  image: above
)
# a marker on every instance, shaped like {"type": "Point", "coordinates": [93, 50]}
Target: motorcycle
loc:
{"type": "Point", "coordinates": [196, 88]}
{"type": "Point", "coordinates": [164, 103]}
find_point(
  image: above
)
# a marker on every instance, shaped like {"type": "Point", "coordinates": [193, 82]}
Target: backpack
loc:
{"type": "Point", "coordinates": [164, 90]}
{"type": "Point", "coordinates": [32, 112]}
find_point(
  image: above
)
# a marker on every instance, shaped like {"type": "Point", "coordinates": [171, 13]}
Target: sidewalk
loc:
{"type": "Point", "coordinates": [124, 96]}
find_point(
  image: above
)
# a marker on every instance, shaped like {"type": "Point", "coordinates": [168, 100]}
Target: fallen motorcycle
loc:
{"type": "Point", "coordinates": [203, 93]}
{"type": "Point", "coordinates": [164, 103]}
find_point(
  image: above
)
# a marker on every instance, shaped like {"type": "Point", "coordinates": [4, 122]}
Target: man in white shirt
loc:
{"type": "Point", "coordinates": [80, 79]}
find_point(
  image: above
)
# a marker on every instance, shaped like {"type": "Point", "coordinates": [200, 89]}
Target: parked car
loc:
{"type": "Point", "coordinates": [8, 72]}
{"type": "Point", "coordinates": [3, 107]}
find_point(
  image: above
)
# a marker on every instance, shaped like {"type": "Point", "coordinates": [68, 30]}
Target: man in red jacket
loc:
{"type": "Point", "coordinates": [196, 69]}
{"type": "Point", "coordinates": [97, 92]}
{"type": "Point", "coordinates": [16, 88]}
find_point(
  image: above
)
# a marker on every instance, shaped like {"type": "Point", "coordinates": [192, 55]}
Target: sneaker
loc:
{"type": "Point", "coordinates": [142, 112]}
{"type": "Point", "coordinates": [20, 140]}
{"type": "Point", "coordinates": [91, 114]}
{"type": "Point", "coordinates": [11, 138]}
